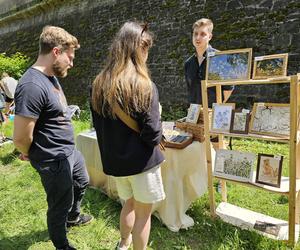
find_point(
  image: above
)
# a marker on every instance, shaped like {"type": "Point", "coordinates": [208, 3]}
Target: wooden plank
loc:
{"type": "Point", "coordinates": [284, 185]}
{"type": "Point", "coordinates": [254, 136]}
{"type": "Point", "coordinates": [208, 150]}
{"type": "Point", "coordinates": [292, 167]}
{"type": "Point", "coordinates": [278, 80]}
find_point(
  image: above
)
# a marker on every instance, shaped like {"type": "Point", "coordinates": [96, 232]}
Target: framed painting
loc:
{"type": "Point", "coordinates": [228, 65]}
{"type": "Point", "coordinates": [270, 119]}
{"type": "Point", "coordinates": [193, 113]}
{"type": "Point", "coordinates": [221, 116]}
{"type": "Point", "coordinates": [269, 168]}
{"type": "Point", "coordinates": [240, 122]}
{"type": "Point", "coordinates": [234, 165]}
{"type": "Point", "coordinates": [270, 66]}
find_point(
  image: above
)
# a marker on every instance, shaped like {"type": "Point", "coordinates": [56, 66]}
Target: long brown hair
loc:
{"type": "Point", "coordinates": [125, 78]}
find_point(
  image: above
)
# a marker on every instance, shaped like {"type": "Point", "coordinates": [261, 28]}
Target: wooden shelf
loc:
{"type": "Point", "coordinates": [254, 136]}
{"type": "Point", "coordinates": [279, 80]}
{"type": "Point", "coordinates": [284, 186]}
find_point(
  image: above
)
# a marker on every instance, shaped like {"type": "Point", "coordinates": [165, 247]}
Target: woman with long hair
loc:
{"type": "Point", "coordinates": [132, 157]}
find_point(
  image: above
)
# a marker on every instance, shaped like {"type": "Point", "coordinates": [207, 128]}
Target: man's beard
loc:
{"type": "Point", "coordinates": [58, 70]}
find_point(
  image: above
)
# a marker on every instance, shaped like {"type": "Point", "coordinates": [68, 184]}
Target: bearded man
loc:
{"type": "Point", "coordinates": [44, 134]}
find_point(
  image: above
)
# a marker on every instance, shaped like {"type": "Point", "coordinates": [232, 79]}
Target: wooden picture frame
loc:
{"type": "Point", "coordinates": [234, 165]}
{"type": "Point", "coordinates": [228, 65]}
{"type": "Point", "coordinates": [270, 119]}
{"type": "Point", "coordinates": [193, 113]}
{"type": "Point", "coordinates": [270, 66]}
{"type": "Point", "coordinates": [240, 122]}
{"type": "Point", "coordinates": [221, 116]}
{"type": "Point", "coordinates": [269, 168]}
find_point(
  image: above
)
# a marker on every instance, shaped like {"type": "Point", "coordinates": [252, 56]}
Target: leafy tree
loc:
{"type": "Point", "coordinates": [15, 65]}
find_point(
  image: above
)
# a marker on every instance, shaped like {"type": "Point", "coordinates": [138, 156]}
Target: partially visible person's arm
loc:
{"type": "Point", "coordinates": [23, 133]}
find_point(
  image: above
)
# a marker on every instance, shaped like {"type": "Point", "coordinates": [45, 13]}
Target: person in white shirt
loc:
{"type": "Point", "coordinates": [8, 85]}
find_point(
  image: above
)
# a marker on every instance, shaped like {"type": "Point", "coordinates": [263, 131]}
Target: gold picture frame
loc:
{"type": "Point", "coordinates": [270, 66]}
{"type": "Point", "coordinates": [229, 65]}
{"type": "Point", "coordinates": [270, 119]}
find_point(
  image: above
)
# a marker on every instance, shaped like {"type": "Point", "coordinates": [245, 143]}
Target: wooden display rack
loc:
{"type": "Point", "coordinates": [290, 186]}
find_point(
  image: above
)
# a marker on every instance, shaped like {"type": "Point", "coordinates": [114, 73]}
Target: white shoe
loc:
{"type": "Point", "coordinates": [124, 247]}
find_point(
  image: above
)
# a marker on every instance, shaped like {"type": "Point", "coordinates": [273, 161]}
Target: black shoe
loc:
{"type": "Point", "coordinates": [68, 247]}
{"type": "Point", "coordinates": [82, 219]}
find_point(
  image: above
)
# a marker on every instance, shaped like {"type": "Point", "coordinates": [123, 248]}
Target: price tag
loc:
{"type": "Point", "coordinates": [245, 111]}
{"type": "Point", "coordinates": [277, 157]}
{"type": "Point", "coordinates": [258, 58]}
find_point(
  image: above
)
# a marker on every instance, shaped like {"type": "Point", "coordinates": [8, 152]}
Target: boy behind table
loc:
{"type": "Point", "coordinates": [195, 66]}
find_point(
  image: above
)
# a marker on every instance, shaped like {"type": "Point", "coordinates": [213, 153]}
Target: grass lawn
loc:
{"type": "Point", "coordinates": [23, 211]}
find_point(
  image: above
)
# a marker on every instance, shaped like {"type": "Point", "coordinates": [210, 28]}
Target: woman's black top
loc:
{"type": "Point", "coordinates": [125, 152]}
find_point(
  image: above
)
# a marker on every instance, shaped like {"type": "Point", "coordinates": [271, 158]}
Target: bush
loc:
{"type": "Point", "coordinates": [15, 65]}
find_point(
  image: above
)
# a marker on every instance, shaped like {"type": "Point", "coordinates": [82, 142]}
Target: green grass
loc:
{"type": "Point", "coordinates": [23, 211]}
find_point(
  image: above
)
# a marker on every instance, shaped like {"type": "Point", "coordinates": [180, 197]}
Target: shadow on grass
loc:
{"type": "Point", "coordinates": [101, 206]}
{"type": "Point", "coordinates": [22, 242]}
{"type": "Point", "coordinates": [9, 157]}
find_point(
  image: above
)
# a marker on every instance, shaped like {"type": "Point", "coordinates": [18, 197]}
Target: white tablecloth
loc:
{"type": "Point", "coordinates": [184, 175]}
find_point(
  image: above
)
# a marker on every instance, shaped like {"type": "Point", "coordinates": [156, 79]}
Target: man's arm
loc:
{"type": "Point", "coordinates": [23, 133]}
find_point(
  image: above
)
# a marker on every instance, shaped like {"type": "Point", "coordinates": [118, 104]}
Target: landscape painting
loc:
{"type": "Point", "coordinates": [229, 65]}
{"type": "Point", "coordinates": [270, 66]}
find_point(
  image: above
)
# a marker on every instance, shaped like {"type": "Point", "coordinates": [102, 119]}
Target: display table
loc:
{"type": "Point", "coordinates": [184, 175]}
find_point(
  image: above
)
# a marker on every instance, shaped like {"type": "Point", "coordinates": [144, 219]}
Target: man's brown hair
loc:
{"type": "Point", "coordinates": [204, 22]}
{"type": "Point", "coordinates": [53, 36]}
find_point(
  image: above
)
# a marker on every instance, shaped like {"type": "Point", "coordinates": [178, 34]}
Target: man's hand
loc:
{"type": "Point", "coordinates": [23, 157]}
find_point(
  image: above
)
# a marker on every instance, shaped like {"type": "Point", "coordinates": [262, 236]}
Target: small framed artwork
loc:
{"type": "Point", "coordinates": [269, 168]}
{"type": "Point", "coordinates": [270, 119]}
{"type": "Point", "coordinates": [240, 122]}
{"type": "Point", "coordinates": [228, 65]}
{"type": "Point", "coordinates": [270, 66]}
{"type": "Point", "coordinates": [234, 165]}
{"type": "Point", "coordinates": [193, 113]}
{"type": "Point", "coordinates": [221, 116]}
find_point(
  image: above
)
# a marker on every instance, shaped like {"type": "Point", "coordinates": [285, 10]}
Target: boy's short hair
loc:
{"type": "Point", "coordinates": [204, 22]}
{"type": "Point", "coordinates": [53, 36]}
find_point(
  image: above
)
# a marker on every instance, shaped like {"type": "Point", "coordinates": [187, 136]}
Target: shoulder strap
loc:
{"type": "Point", "coordinates": [131, 123]}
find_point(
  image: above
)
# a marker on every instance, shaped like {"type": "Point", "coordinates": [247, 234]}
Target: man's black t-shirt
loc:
{"type": "Point", "coordinates": [41, 97]}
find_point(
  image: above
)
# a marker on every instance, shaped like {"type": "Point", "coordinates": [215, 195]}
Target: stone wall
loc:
{"type": "Point", "coordinates": [267, 26]}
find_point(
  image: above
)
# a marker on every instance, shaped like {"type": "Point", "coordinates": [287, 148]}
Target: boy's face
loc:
{"type": "Point", "coordinates": [201, 37]}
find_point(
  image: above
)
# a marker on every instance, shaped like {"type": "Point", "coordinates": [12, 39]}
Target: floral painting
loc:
{"type": "Point", "coordinates": [221, 118]}
{"type": "Point", "coordinates": [234, 165]}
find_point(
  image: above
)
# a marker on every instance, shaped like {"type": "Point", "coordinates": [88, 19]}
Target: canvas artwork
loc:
{"type": "Point", "coordinates": [221, 117]}
{"type": "Point", "coordinates": [270, 119]}
{"type": "Point", "coordinates": [270, 66]}
{"type": "Point", "coordinates": [269, 169]}
{"type": "Point", "coordinates": [229, 65]}
{"type": "Point", "coordinates": [193, 113]}
{"type": "Point", "coordinates": [234, 165]}
{"type": "Point", "coordinates": [240, 122]}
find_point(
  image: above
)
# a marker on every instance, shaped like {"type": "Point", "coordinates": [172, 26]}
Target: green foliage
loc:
{"type": "Point", "coordinates": [15, 65]}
